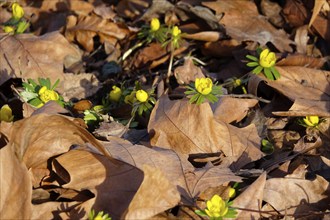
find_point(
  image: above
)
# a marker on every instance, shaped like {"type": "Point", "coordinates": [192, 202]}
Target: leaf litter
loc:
{"type": "Point", "coordinates": [58, 163]}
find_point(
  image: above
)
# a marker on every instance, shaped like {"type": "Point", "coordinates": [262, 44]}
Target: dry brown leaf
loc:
{"type": "Point", "coordinates": [79, 86]}
{"type": "Point", "coordinates": [114, 184]}
{"type": "Point", "coordinates": [40, 137]}
{"type": "Point", "coordinates": [308, 88]}
{"type": "Point", "coordinates": [272, 10]}
{"type": "Point", "coordinates": [230, 109]}
{"type": "Point", "coordinates": [302, 60]}
{"type": "Point", "coordinates": [29, 56]}
{"type": "Point", "coordinates": [297, 196]}
{"type": "Point", "coordinates": [301, 39]}
{"type": "Point", "coordinates": [295, 13]}
{"type": "Point", "coordinates": [321, 25]}
{"type": "Point", "coordinates": [249, 26]}
{"type": "Point", "coordinates": [188, 72]}
{"type": "Point", "coordinates": [251, 198]}
{"type": "Point", "coordinates": [16, 187]}
{"type": "Point", "coordinates": [155, 195]}
{"type": "Point", "coordinates": [189, 181]}
{"type": "Point", "coordinates": [316, 10]}
{"type": "Point", "coordinates": [84, 28]}
{"type": "Point", "coordinates": [189, 128]}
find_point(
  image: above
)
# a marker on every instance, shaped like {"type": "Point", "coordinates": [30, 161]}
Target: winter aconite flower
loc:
{"type": "Point", "coordinates": [216, 207]}
{"type": "Point", "coordinates": [311, 121]}
{"type": "Point", "coordinates": [141, 95]}
{"type": "Point", "coordinates": [202, 89]}
{"type": "Point", "coordinates": [154, 24]}
{"type": "Point", "coordinates": [265, 63]}
{"type": "Point", "coordinates": [176, 31]}
{"type": "Point", "coordinates": [6, 114]}
{"type": "Point", "coordinates": [267, 58]}
{"type": "Point", "coordinates": [203, 85]}
{"type": "Point", "coordinates": [115, 94]}
{"type": "Point", "coordinates": [47, 95]}
{"type": "Point", "coordinates": [18, 11]}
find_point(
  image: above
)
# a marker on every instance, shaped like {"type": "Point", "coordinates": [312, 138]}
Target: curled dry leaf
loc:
{"type": "Point", "coordinates": [29, 56]}
{"type": "Point", "coordinates": [84, 28]}
{"type": "Point", "coordinates": [113, 184]}
{"type": "Point", "coordinates": [189, 181]}
{"type": "Point", "coordinates": [40, 137]}
{"type": "Point", "coordinates": [308, 88]}
{"type": "Point", "coordinates": [297, 196]}
{"type": "Point", "coordinates": [189, 128]}
{"type": "Point", "coordinates": [230, 109]}
{"type": "Point", "coordinates": [303, 61]}
{"type": "Point", "coordinates": [249, 26]}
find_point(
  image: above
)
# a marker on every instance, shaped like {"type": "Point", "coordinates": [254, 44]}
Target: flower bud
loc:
{"type": "Point", "coordinates": [154, 24]}
{"type": "Point", "coordinates": [6, 114]}
{"type": "Point", "coordinates": [18, 11]}
{"type": "Point", "coordinates": [141, 95]}
{"type": "Point", "coordinates": [115, 94]}
{"type": "Point", "coordinates": [176, 31]}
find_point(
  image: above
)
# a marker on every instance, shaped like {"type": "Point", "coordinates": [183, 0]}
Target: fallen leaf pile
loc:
{"type": "Point", "coordinates": [166, 163]}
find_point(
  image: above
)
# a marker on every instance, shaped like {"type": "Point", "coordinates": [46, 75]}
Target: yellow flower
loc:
{"type": "Point", "coordinates": [6, 114]}
{"type": "Point", "coordinates": [232, 192]}
{"type": "Point", "coordinates": [154, 24]}
{"type": "Point", "coordinates": [18, 11]}
{"type": "Point", "coordinates": [216, 207]}
{"type": "Point", "coordinates": [176, 31]}
{"type": "Point", "coordinates": [129, 99]}
{"type": "Point", "coordinates": [311, 121]}
{"type": "Point", "coordinates": [141, 95]}
{"type": "Point", "coordinates": [267, 59]}
{"type": "Point", "coordinates": [9, 29]}
{"type": "Point", "coordinates": [203, 85]}
{"type": "Point", "coordinates": [115, 94]}
{"type": "Point", "coordinates": [47, 95]}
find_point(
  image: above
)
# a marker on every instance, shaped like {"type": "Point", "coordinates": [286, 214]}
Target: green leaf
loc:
{"type": "Point", "coordinates": [200, 99]}
{"type": "Point", "coordinates": [268, 74]}
{"type": "Point", "coordinates": [27, 95]}
{"type": "Point", "coordinates": [32, 82]}
{"type": "Point", "coordinates": [194, 98]}
{"type": "Point", "coordinates": [200, 212]}
{"type": "Point", "coordinates": [252, 58]}
{"type": "Point", "coordinates": [275, 72]}
{"type": "Point", "coordinates": [28, 87]}
{"type": "Point", "coordinates": [252, 64]}
{"type": "Point", "coordinates": [35, 102]}
{"type": "Point", "coordinates": [55, 84]}
{"type": "Point", "coordinates": [257, 70]}
{"type": "Point", "coordinates": [190, 92]}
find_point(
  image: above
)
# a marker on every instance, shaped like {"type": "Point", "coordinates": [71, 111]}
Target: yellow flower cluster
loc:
{"type": "Point", "coordinates": [267, 59]}
{"type": "Point", "coordinates": [311, 121]}
{"type": "Point", "coordinates": [141, 95]}
{"type": "Point", "coordinates": [216, 207]}
{"type": "Point", "coordinates": [47, 95]}
{"type": "Point", "coordinates": [204, 85]}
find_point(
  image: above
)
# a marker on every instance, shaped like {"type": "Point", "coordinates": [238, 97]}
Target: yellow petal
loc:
{"type": "Point", "coordinates": [115, 94]}
{"type": "Point", "coordinates": [9, 29]}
